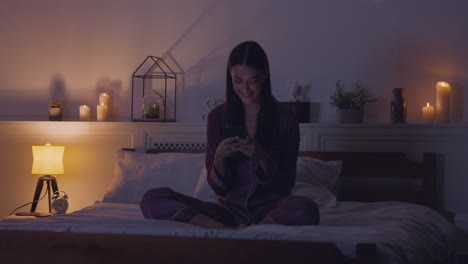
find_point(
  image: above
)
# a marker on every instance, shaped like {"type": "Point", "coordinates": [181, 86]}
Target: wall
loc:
{"type": "Point", "coordinates": [72, 50]}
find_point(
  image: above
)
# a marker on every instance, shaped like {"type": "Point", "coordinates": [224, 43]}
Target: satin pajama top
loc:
{"type": "Point", "coordinates": [243, 192]}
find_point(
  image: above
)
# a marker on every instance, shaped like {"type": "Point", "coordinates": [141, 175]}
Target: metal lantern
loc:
{"type": "Point", "coordinates": [154, 92]}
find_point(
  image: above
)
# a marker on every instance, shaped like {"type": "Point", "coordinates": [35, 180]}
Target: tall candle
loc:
{"type": "Point", "coordinates": [443, 102]}
{"type": "Point", "coordinates": [428, 114]}
{"type": "Point", "coordinates": [101, 112]}
{"type": "Point", "coordinates": [104, 98]}
{"type": "Point", "coordinates": [85, 113]}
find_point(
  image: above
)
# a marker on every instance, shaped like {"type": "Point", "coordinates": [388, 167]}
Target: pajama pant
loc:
{"type": "Point", "coordinates": [166, 204]}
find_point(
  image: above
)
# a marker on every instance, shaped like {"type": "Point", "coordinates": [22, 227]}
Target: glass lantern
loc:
{"type": "Point", "coordinates": [154, 92]}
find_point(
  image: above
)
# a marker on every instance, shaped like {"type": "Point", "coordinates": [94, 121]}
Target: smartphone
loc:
{"type": "Point", "coordinates": [234, 131]}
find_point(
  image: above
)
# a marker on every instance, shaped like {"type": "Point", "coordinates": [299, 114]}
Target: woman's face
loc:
{"type": "Point", "coordinates": [247, 82]}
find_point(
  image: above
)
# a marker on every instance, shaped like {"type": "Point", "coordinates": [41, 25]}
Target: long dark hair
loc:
{"type": "Point", "coordinates": [252, 54]}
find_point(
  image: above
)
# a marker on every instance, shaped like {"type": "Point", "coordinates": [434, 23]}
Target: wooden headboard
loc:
{"type": "Point", "coordinates": [371, 176]}
{"type": "Point", "coordinates": [366, 176]}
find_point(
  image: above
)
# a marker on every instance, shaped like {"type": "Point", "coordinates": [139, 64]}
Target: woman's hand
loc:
{"type": "Point", "coordinates": [227, 148]}
{"type": "Point", "coordinates": [252, 149]}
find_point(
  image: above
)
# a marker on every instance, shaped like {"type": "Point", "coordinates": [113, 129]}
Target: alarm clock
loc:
{"type": "Point", "coordinates": [59, 202]}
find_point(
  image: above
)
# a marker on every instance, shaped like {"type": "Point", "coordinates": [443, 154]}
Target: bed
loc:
{"type": "Point", "coordinates": [375, 208]}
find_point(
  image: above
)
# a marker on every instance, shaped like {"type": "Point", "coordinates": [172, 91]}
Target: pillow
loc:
{"type": "Point", "coordinates": [318, 172]}
{"type": "Point", "coordinates": [203, 190]}
{"type": "Point", "coordinates": [317, 180]}
{"type": "Point", "coordinates": [135, 173]}
{"type": "Point", "coordinates": [318, 193]}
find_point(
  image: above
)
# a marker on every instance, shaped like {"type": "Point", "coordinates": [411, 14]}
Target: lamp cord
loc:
{"type": "Point", "coordinates": [29, 202]}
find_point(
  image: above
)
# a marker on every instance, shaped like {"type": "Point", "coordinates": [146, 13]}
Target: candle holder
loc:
{"type": "Point", "coordinates": [154, 92]}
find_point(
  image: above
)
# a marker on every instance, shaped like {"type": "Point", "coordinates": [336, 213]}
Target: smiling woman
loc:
{"type": "Point", "coordinates": [253, 175]}
{"type": "Point", "coordinates": [247, 82]}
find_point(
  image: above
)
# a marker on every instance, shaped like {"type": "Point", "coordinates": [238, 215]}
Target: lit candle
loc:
{"type": "Point", "coordinates": [85, 113]}
{"type": "Point", "coordinates": [443, 101]}
{"type": "Point", "coordinates": [428, 114]}
{"type": "Point", "coordinates": [104, 98]}
{"type": "Point", "coordinates": [101, 112]}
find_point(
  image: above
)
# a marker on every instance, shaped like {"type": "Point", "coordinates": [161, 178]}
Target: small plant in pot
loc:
{"type": "Point", "coordinates": [350, 103]}
{"type": "Point", "coordinates": [153, 106]}
{"type": "Point", "coordinates": [55, 110]}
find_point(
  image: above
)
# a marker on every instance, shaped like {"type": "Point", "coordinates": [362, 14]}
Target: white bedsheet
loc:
{"type": "Point", "coordinates": [404, 233]}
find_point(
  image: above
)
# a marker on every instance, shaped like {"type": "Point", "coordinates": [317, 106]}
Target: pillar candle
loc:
{"type": "Point", "coordinates": [428, 114]}
{"type": "Point", "coordinates": [101, 112]}
{"type": "Point", "coordinates": [85, 113]}
{"type": "Point", "coordinates": [104, 98]}
{"type": "Point", "coordinates": [443, 101]}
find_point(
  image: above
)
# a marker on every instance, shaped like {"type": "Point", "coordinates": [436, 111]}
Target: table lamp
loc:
{"type": "Point", "coordinates": [47, 160]}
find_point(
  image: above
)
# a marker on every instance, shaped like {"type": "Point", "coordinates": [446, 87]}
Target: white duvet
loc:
{"type": "Point", "coordinates": [404, 233]}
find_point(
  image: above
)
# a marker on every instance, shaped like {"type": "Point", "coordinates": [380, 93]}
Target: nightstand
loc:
{"type": "Point", "coordinates": [22, 215]}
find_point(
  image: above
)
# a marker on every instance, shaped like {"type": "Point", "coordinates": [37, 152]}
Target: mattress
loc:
{"type": "Point", "coordinates": [402, 232]}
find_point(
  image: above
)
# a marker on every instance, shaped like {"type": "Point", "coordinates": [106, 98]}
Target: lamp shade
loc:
{"type": "Point", "coordinates": [47, 159]}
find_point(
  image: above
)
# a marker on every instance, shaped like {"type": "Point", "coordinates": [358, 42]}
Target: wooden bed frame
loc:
{"type": "Point", "coordinates": [70, 247]}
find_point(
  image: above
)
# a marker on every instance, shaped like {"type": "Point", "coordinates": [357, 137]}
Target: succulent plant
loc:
{"type": "Point", "coordinates": [55, 103]}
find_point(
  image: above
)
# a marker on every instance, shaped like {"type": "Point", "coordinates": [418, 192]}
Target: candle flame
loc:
{"type": "Point", "coordinates": [444, 84]}
{"type": "Point", "coordinates": [428, 104]}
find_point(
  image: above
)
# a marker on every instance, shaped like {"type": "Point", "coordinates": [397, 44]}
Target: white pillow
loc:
{"type": "Point", "coordinates": [318, 193]}
{"type": "Point", "coordinates": [317, 180]}
{"type": "Point", "coordinates": [319, 172]}
{"type": "Point", "coordinates": [135, 173]}
{"type": "Point", "coordinates": [203, 190]}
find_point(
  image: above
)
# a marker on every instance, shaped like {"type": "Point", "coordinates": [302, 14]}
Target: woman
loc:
{"type": "Point", "coordinates": [252, 171]}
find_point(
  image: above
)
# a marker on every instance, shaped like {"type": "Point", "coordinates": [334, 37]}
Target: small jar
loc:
{"type": "Point", "coordinates": [398, 106]}
{"type": "Point", "coordinates": [55, 113]}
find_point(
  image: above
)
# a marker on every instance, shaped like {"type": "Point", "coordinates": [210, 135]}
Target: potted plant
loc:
{"type": "Point", "coordinates": [55, 110]}
{"type": "Point", "coordinates": [350, 103]}
{"type": "Point", "coordinates": [153, 106]}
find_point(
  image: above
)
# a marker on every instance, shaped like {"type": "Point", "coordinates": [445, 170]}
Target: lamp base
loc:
{"type": "Point", "coordinates": [51, 182]}
{"type": "Point", "coordinates": [36, 214]}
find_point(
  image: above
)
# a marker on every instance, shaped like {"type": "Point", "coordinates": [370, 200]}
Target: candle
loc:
{"type": "Point", "coordinates": [428, 114]}
{"type": "Point", "coordinates": [101, 112]}
{"type": "Point", "coordinates": [85, 113]}
{"type": "Point", "coordinates": [443, 101]}
{"type": "Point", "coordinates": [104, 98]}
